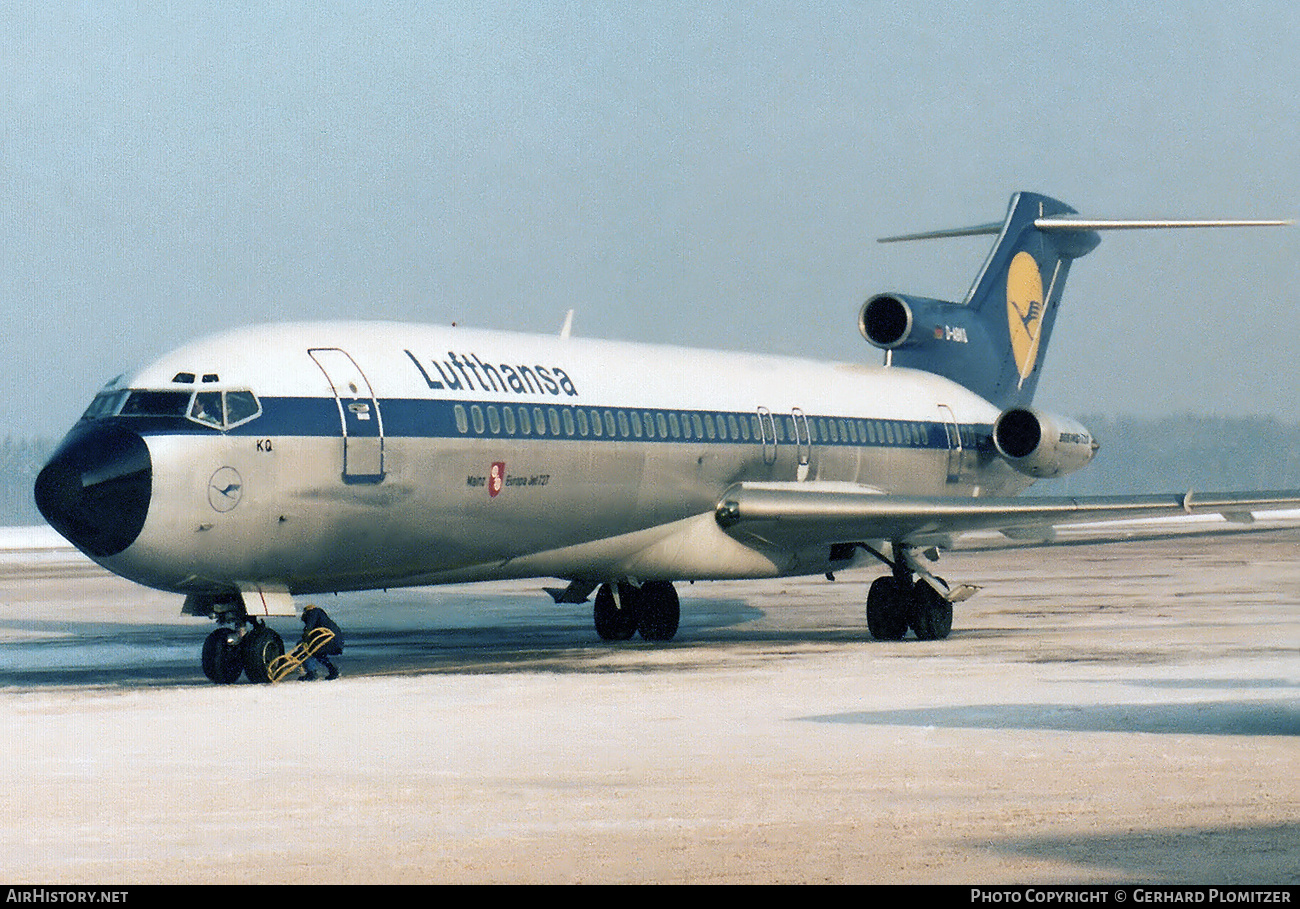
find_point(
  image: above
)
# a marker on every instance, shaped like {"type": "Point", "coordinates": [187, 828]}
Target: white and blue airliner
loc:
{"type": "Point", "coordinates": [278, 461]}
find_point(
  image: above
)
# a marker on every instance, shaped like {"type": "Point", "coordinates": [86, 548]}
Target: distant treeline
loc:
{"type": "Point", "coordinates": [1138, 455]}
{"type": "Point", "coordinates": [20, 461]}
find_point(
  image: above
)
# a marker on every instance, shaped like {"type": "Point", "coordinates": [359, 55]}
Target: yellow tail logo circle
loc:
{"type": "Point", "coordinates": [1024, 310]}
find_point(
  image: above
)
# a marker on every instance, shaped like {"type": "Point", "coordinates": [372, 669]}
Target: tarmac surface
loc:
{"type": "Point", "coordinates": [1102, 713]}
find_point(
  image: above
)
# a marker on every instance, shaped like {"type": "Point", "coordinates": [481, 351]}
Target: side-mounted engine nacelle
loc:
{"type": "Point", "coordinates": [1041, 444]}
{"type": "Point", "coordinates": [890, 321]}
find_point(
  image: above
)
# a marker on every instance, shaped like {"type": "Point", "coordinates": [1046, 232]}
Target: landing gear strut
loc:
{"type": "Point", "coordinates": [622, 610]}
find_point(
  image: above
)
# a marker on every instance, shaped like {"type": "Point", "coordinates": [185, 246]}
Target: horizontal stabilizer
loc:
{"type": "Point", "coordinates": [1094, 224]}
{"type": "Point", "coordinates": [978, 230]}
{"type": "Point", "coordinates": [995, 227]}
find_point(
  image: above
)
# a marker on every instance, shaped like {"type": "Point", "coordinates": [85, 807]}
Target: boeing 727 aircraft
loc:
{"type": "Point", "coordinates": [284, 460]}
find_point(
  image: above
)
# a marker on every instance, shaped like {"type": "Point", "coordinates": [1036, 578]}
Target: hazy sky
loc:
{"type": "Point", "coordinates": [705, 174]}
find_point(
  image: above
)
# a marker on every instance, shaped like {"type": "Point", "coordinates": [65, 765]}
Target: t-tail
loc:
{"type": "Point", "coordinates": [995, 341]}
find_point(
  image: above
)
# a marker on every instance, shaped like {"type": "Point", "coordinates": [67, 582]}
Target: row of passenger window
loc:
{"type": "Point", "coordinates": [670, 425]}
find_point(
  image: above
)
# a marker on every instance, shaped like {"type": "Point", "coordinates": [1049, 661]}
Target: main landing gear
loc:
{"type": "Point", "coordinates": [240, 646]}
{"type": "Point", "coordinates": [894, 605]}
{"type": "Point", "coordinates": [910, 598]}
{"type": "Point", "coordinates": [622, 610]}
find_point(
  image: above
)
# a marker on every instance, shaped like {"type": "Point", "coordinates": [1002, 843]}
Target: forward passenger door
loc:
{"type": "Point", "coordinates": [360, 419]}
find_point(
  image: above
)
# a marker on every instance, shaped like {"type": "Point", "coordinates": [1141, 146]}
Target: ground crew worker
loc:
{"type": "Point", "coordinates": [314, 617]}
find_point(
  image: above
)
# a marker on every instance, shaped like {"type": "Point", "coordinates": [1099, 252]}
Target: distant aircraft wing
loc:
{"type": "Point", "coordinates": [810, 513]}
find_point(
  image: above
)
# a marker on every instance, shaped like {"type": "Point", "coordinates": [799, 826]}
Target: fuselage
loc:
{"type": "Point", "coordinates": [340, 456]}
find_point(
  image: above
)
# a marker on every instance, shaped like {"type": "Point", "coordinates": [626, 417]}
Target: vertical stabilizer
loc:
{"type": "Point", "coordinates": [1018, 293]}
{"type": "Point", "coordinates": [994, 342]}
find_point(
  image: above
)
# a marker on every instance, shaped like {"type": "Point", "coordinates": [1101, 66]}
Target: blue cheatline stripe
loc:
{"type": "Point", "coordinates": [422, 418]}
{"type": "Point", "coordinates": [426, 419]}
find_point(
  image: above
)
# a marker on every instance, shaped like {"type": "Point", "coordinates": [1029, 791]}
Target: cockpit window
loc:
{"type": "Point", "coordinates": [105, 404]}
{"type": "Point", "coordinates": [241, 406]}
{"type": "Point", "coordinates": [224, 409]}
{"type": "Point", "coordinates": [207, 408]}
{"type": "Point", "coordinates": [156, 404]}
{"type": "Point", "coordinates": [216, 409]}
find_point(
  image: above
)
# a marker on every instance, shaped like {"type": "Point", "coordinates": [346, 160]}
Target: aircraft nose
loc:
{"type": "Point", "coordinates": [95, 489]}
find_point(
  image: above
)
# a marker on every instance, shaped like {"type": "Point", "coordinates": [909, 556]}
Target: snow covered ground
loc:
{"type": "Point", "coordinates": [1101, 713]}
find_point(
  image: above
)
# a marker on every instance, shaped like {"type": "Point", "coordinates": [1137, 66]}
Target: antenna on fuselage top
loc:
{"type": "Point", "coordinates": [567, 328]}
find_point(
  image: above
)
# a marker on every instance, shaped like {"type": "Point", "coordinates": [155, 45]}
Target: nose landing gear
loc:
{"type": "Point", "coordinates": [232, 651]}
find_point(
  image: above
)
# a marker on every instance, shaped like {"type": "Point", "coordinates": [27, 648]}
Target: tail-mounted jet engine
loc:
{"type": "Point", "coordinates": [899, 320]}
{"type": "Point", "coordinates": [1041, 444]}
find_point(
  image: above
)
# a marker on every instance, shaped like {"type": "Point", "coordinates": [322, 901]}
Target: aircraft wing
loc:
{"type": "Point", "coordinates": [810, 513]}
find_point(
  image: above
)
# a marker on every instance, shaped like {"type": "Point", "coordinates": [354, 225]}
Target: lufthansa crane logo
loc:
{"type": "Point", "coordinates": [1024, 311]}
{"type": "Point", "coordinates": [225, 489]}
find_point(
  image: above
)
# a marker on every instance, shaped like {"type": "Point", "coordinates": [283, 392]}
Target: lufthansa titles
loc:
{"type": "Point", "coordinates": [469, 372]}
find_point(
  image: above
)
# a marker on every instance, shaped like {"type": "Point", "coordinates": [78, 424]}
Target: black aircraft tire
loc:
{"type": "Point", "coordinates": [261, 646]}
{"type": "Point", "coordinates": [886, 610]}
{"type": "Point", "coordinates": [223, 661]}
{"type": "Point", "coordinates": [613, 623]}
{"type": "Point", "coordinates": [659, 611]}
{"type": "Point", "coordinates": [931, 613]}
